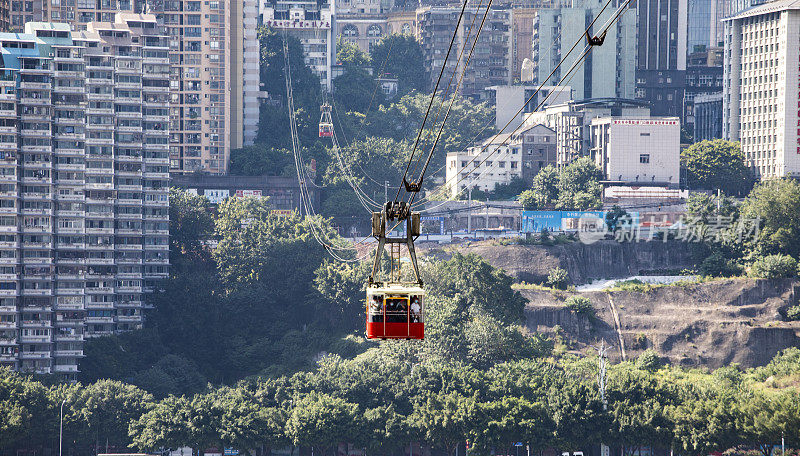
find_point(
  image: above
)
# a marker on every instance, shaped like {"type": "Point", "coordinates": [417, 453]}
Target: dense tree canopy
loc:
{"type": "Point", "coordinates": [717, 165]}
{"type": "Point", "coordinates": [383, 401]}
{"type": "Point", "coordinates": [401, 56]}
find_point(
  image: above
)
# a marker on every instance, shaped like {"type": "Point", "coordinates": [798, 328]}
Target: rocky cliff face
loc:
{"type": "Point", "coordinates": [583, 262]}
{"type": "Point", "coordinates": [708, 324]}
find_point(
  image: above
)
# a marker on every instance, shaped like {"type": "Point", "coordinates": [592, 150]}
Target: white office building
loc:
{"type": "Point", "coordinates": [760, 87]}
{"type": "Point", "coordinates": [635, 150]}
{"type": "Point", "coordinates": [497, 160]}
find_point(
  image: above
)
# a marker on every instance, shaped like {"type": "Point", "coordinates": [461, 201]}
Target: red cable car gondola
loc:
{"type": "Point", "coordinates": [395, 309]}
{"type": "Point", "coordinates": [325, 121]}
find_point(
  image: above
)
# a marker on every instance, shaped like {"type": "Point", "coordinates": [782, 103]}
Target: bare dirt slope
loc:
{"type": "Point", "coordinates": [601, 260]}
{"type": "Point", "coordinates": [708, 324]}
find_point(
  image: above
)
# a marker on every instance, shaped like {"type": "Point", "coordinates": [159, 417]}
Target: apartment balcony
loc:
{"type": "Point", "coordinates": [99, 82]}
{"type": "Point", "coordinates": [48, 212]}
{"type": "Point", "coordinates": [65, 368]}
{"type": "Point", "coordinates": [70, 323]}
{"type": "Point", "coordinates": [8, 325]}
{"type": "Point", "coordinates": [35, 101]}
{"type": "Point", "coordinates": [5, 342]}
{"type": "Point", "coordinates": [70, 167]}
{"type": "Point", "coordinates": [37, 355]}
{"type": "Point", "coordinates": [98, 321]}
{"type": "Point", "coordinates": [69, 292]}
{"type": "Point", "coordinates": [68, 90]}
{"type": "Point", "coordinates": [29, 292]}
{"type": "Point", "coordinates": [67, 353]}
{"type": "Point", "coordinates": [8, 113]}
{"type": "Point", "coordinates": [34, 85]}
{"type": "Point", "coordinates": [69, 74]}
{"type": "Point", "coordinates": [34, 339]}
{"type": "Point", "coordinates": [129, 115]}
{"type": "Point", "coordinates": [70, 152]}
{"type": "Point", "coordinates": [99, 96]}
{"type": "Point", "coordinates": [35, 324]}
{"type": "Point", "coordinates": [68, 337]}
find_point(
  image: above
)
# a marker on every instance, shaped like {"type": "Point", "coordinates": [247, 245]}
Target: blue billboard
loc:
{"type": "Point", "coordinates": [536, 221]}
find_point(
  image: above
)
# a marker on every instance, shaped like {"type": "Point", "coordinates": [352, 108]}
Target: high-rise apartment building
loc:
{"type": "Point", "coordinates": [492, 61]}
{"type": "Point", "coordinates": [312, 23]}
{"type": "Point", "coordinates": [75, 13]}
{"type": "Point", "coordinates": [84, 179]}
{"type": "Point", "coordinates": [607, 71]}
{"type": "Point", "coordinates": [214, 56]}
{"type": "Point", "coordinates": [761, 100]}
{"type": "Point", "coordinates": [661, 54]}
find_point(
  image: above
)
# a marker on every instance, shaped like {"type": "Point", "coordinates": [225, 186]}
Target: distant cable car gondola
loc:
{"type": "Point", "coordinates": [395, 309]}
{"type": "Point", "coordinates": [325, 121]}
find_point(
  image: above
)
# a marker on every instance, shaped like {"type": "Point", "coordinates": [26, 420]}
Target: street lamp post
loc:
{"type": "Point", "coordinates": [61, 426]}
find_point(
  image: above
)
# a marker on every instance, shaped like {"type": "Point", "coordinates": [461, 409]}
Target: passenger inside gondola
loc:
{"type": "Point", "coordinates": [396, 310]}
{"type": "Point", "coordinates": [376, 309]}
{"type": "Point", "coordinates": [415, 309]}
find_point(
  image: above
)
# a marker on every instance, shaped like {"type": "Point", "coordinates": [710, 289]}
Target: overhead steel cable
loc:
{"type": "Point", "coordinates": [305, 199]}
{"type": "Point", "coordinates": [464, 68]}
{"type": "Point", "coordinates": [433, 97]}
{"type": "Point", "coordinates": [428, 197]}
{"type": "Point", "coordinates": [578, 61]}
{"type": "Point", "coordinates": [556, 68]}
{"type": "Point", "coordinates": [452, 101]}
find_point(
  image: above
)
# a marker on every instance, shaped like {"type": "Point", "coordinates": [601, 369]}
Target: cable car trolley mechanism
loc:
{"type": "Point", "coordinates": [395, 308]}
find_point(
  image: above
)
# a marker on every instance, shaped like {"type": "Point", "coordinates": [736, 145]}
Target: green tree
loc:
{"type": "Point", "coordinates": [545, 187]}
{"type": "Point", "coordinates": [190, 225]}
{"type": "Point", "coordinates": [102, 410]}
{"type": "Point", "coordinates": [350, 56]}
{"type": "Point", "coordinates": [616, 217]}
{"type": "Point", "coordinates": [26, 414]}
{"type": "Point", "coordinates": [510, 420]}
{"type": "Point", "coordinates": [342, 286]}
{"type": "Point", "coordinates": [766, 417]}
{"type": "Point", "coordinates": [260, 160]}
{"type": "Point", "coordinates": [476, 285]}
{"type": "Point", "coordinates": [351, 91]}
{"type": "Point", "coordinates": [273, 125]}
{"type": "Point", "coordinates": [775, 205]}
{"type": "Point", "coordinates": [401, 56]}
{"type": "Point", "coordinates": [639, 405]}
{"type": "Point", "coordinates": [321, 421]}
{"type": "Point", "coordinates": [445, 419]}
{"type": "Point", "coordinates": [402, 119]}
{"type": "Point", "coordinates": [579, 185]}
{"type": "Point", "coordinates": [717, 164]}
{"type": "Point", "coordinates": [774, 267]}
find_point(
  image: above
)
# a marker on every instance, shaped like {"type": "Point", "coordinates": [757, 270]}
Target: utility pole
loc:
{"type": "Point", "coordinates": [385, 191]}
{"type": "Point", "coordinates": [487, 216]}
{"type": "Point", "coordinates": [469, 210]}
{"type": "Point", "coordinates": [601, 386]}
{"type": "Point", "coordinates": [61, 426]}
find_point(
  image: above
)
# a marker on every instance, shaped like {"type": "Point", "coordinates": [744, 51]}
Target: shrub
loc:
{"type": "Point", "coordinates": [716, 265]}
{"type": "Point", "coordinates": [774, 267]}
{"type": "Point", "coordinates": [581, 306]}
{"type": "Point", "coordinates": [633, 285]}
{"type": "Point", "coordinates": [557, 278]}
{"type": "Point", "coordinates": [793, 313]}
{"type": "Point", "coordinates": [648, 360]}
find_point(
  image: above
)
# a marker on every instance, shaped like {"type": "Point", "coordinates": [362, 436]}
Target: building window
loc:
{"type": "Point", "coordinates": [644, 158]}
{"type": "Point", "coordinates": [350, 30]}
